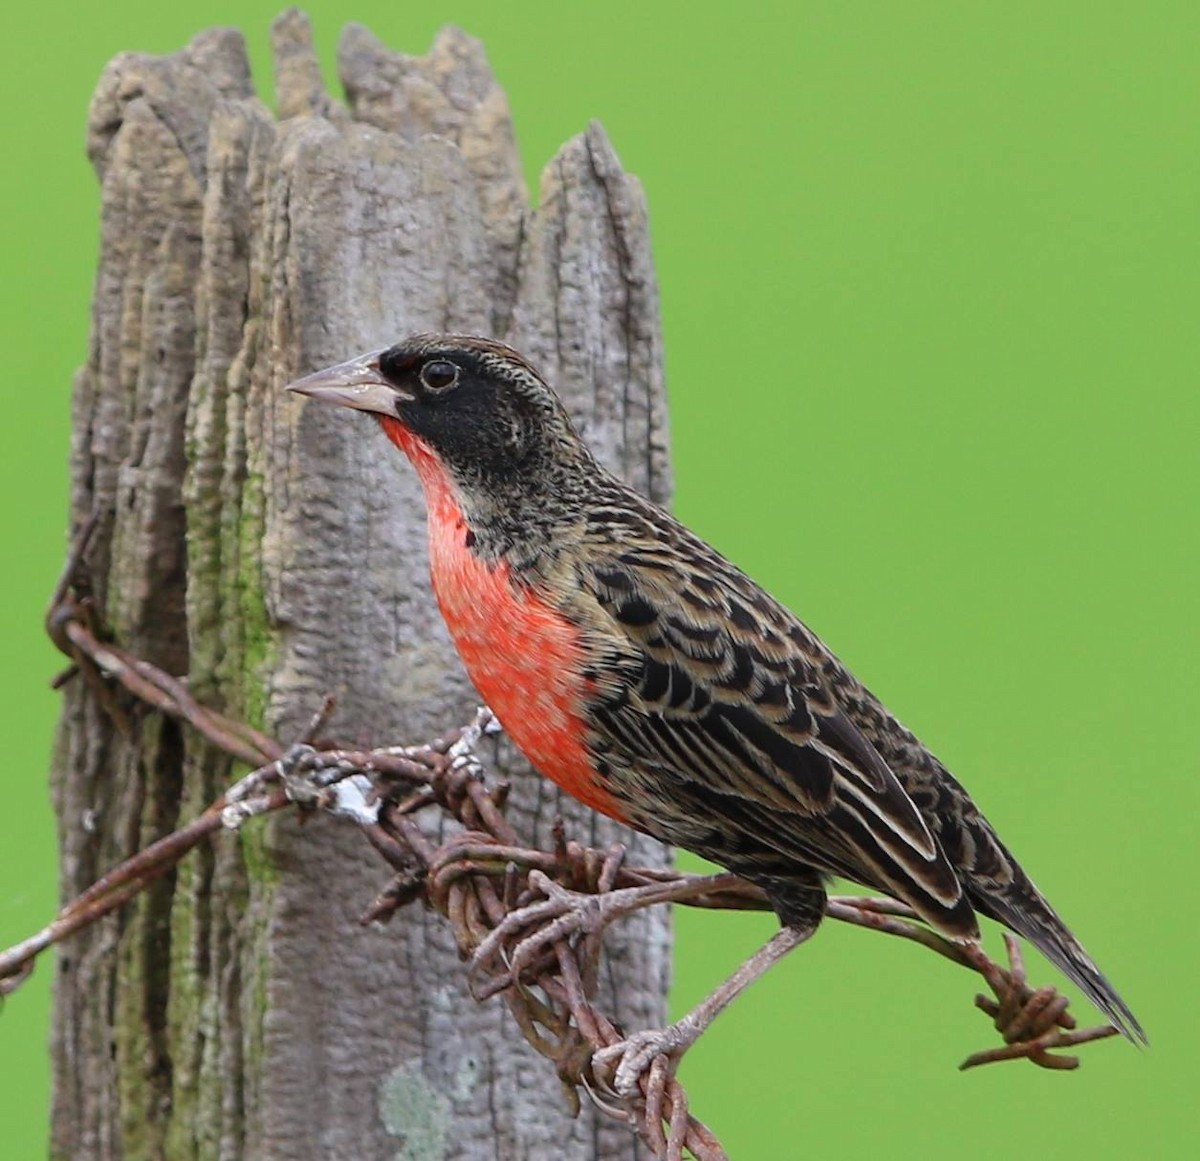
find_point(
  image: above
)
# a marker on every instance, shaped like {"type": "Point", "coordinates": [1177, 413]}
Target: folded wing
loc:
{"type": "Point", "coordinates": [722, 706]}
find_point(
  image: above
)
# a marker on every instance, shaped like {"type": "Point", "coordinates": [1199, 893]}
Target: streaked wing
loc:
{"type": "Point", "coordinates": [729, 709]}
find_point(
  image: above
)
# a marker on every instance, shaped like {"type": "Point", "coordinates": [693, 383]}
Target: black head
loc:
{"type": "Point", "coordinates": [477, 403]}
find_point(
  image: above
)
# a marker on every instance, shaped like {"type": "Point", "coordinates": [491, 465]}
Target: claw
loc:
{"type": "Point", "coordinates": [535, 915]}
{"type": "Point", "coordinates": [653, 1054]}
{"type": "Point", "coordinates": [561, 914]}
{"type": "Point", "coordinates": [617, 1112]}
{"type": "Point", "coordinates": [577, 920]}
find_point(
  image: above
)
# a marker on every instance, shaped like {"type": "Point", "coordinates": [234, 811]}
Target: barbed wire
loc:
{"type": "Point", "coordinates": [530, 922]}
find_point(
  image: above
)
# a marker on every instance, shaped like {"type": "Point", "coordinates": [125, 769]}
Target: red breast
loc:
{"type": "Point", "coordinates": [523, 657]}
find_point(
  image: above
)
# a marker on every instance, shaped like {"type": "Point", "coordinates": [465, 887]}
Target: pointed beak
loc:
{"type": "Point", "coordinates": [356, 383]}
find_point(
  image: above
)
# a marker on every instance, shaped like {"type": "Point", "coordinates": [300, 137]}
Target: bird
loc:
{"type": "Point", "coordinates": [654, 681]}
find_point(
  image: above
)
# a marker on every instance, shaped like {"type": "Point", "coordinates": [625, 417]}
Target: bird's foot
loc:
{"type": "Point", "coordinates": [659, 1111]}
{"type": "Point", "coordinates": [528, 934]}
{"type": "Point", "coordinates": [1032, 1021]}
{"type": "Point", "coordinates": [654, 1055]}
{"type": "Point", "coordinates": [651, 1055]}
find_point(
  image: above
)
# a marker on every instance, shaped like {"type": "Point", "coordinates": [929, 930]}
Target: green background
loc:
{"type": "Point", "coordinates": [929, 279]}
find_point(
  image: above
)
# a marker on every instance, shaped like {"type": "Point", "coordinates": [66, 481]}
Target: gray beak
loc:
{"type": "Point", "coordinates": [355, 383]}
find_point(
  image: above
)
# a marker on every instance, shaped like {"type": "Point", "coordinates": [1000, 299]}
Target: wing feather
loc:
{"type": "Point", "coordinates": [732, 727]}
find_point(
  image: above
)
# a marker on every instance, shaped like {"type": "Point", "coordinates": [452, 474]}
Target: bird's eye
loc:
{"type": "Point", "coordinates": [438, 374]}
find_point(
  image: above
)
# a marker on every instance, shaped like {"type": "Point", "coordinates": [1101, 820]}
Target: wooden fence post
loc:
{"type": "Point", "coordinates": [274, 552]}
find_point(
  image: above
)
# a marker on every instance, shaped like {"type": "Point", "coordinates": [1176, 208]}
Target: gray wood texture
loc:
{"type": "Point", "coordinates": [274, 552]}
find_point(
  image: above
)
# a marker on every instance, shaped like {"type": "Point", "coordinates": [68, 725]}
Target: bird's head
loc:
{"type": "Point", "coordinates": [486, 415]}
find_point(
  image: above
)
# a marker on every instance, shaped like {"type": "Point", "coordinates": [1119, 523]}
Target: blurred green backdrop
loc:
{"type": "Point", "coordinates": [930, 285]}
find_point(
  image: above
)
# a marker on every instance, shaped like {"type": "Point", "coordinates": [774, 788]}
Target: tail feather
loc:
{"type": "Point", "coordinates": [1030, 915]}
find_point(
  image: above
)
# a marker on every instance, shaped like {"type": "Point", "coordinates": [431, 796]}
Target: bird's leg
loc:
{"type": "Point", "coordinates": [627, 1060]}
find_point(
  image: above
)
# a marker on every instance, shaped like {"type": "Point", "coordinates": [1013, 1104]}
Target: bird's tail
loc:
{"type": "Point", "coordinates": [1023, 908]}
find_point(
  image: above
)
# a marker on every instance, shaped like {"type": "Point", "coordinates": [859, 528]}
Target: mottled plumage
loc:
{"type": "Point", "coordinates": [670, 690]}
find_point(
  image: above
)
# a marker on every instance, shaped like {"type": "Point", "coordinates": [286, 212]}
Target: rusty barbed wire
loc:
{"type": "Point", "coordinates": [530, 922]}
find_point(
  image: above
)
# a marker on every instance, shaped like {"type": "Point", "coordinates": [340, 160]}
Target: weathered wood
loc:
{"type": "Point", "coordinates": [275, 552]}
